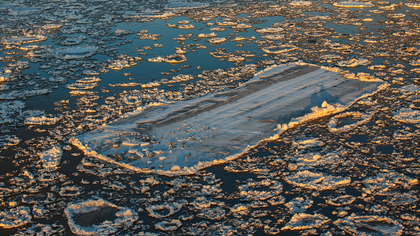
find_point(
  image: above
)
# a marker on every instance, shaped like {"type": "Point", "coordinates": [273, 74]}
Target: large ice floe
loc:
{"type": "Point", "coordinates": [183, 137]}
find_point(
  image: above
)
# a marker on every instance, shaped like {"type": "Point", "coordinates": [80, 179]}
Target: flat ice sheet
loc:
{"type": "Point", "coordinates": [197, 133]}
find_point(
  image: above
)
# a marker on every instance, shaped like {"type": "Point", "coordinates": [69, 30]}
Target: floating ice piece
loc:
{"type": "Point", "coordinates": [123, 62]}
{"type": "Point", "coordinates": [18, 40]}
{"type": "Point", "coordinates": [240, 209]}
{"type": "Point", "coordinates": [86, 83]}
{"type": "Point", "coordinates": [242, 26]}
{"type": "Point", "coordinates": [415, 62]}
{"type": "Point", "coordinates": [125, 217]}
{"type": "Point", "coordinates": [43, 120]}
{"type": "Point", "coordinates": [309, 161]}
{"type": "Point", "coordinates": [7, 141]}
{"type": "Point", "coordinates": [216, 213]}
{"type": "Point", "coordinates": [350, 4]}
{"type": "Point", "coordinates": [217, 40]}
{"type": "Point", "coordinates": [413, 5]}
{"type": "Point", "coordinates": [410, 89]}
{"type": "Point", "coordinates": [270, 30]}
{"type": "Point", "coordinates": [41, 230]}
{"type": "Point", "coordinates": [279, 49]}
{"type": "Point", "coordinates": [9, 110]}
{"type": "Point", "coordinates": [403, 135]}
{"type": "Point", "coordinates": [299, 204]}
{"type": "Point", "coordinates": [334, 125]}
{"type": "Point", "coordinates": [23, 94]}
{"type": "Point", "coordinates": [5, 75]}
{"type": "Point", "coordinates": [403, 199]}
{"type": "Point", "coordinates": [352, 63]}
{"type": "Point", "coordinates": [317, 181]}
{"type": "Point", "coordinates": [51, 158]}
{"type": "Point", "coordinates": [171, 59]}
{"type": "Point", "coordinates": [408, 51]}
{"type": "Point", "coordinates": [407, 115]}
{"type": "Point", "coordinates": [182, 26]}
{"type": "Point", "coordinates": [177, 79]}
{"type": "Point", "coordinates": [212, 129]}
{"type": "Point", "coordinates": [383, 183]}
{"type": "Point", "coordinates": [251, 190]}
{"type": "Point", "coordinates": [362, 77]}
{"type": "Point", "coordinates": [168, 225]}
{"type": "Point", "coordinates": [343, 200]}
{"type": "Point", "coordinates": [210, 35]}
{"type": "Point", "coordinates": [171, 207]}
{"type": "Point", "coordinates": [370, 225]}
{"type": "Point", "coordinates": [308, 143]}
{"type": "Point", "coordinates": [300, 3]}
{"type": "Point", "coordinates": [397, 15]}
{"type": "Point", "coordinates": [76, 52]}
{"type": "Point", "coordinates": [303, 221]}
{"type": "Point", "coordinates": [120, 32]}
{"type": "Point", "coordinates": [15, 217]}
{"type": "Point", "coordinates": [51, 26]}
{"type": "Point", "coordinates": [70, 191]}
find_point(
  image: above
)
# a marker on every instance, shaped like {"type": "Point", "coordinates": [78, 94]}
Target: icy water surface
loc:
{"type": "Point", "coordinates": [209, 118]}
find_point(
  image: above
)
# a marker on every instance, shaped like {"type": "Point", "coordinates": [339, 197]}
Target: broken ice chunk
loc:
{"type": "Point", "coordinates": [303, 221]}
{"type": "Point", "coordinates": [317, 181]}
{"type": "Point", "coordinates": [370, 225]}
{"type": "Point", "coordinates": [15, 217]}
{"type": "Point", "coordinates": [91, 211]}
{"type": "Point", "coordinates": [51, 158]}
{"type": "Point", "coordinates": [407, 115]}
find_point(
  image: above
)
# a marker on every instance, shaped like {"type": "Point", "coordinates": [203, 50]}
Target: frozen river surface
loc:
{"type": "Point", "coordinates": [209, 118]}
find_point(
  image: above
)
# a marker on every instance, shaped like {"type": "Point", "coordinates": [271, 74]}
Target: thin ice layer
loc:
{"type": "Point", "coordinates": [191, 135]}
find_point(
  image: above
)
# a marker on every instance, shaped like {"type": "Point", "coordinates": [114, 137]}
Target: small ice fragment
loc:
{"type": "Point", "coordinates": [51, 158]}
{"type": "Point", "coordinates": [303, 221]}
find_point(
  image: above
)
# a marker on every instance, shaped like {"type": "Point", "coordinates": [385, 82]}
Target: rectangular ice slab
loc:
{"type": "Point", "coordinates": [186, 136]}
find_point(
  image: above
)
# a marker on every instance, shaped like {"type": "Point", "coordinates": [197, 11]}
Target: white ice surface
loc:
{"type": "Point", "coordinates": [190, 135]}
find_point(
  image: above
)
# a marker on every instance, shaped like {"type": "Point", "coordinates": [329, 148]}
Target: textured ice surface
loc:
{"type": "Point", "coordinates": [299, 205]}
{"type": "Point", "coordinates": [317, 181]}
{"type": "Point", "coordinates": [124, 217]}
{"type": "Point", "coordinates": [7, 141]}
{"type": "Point", "coordinates": [407, 115]}
{"type": "Point", "coordinates": [51, 158]}
{"type": "Point", "coordinates": [302, 221]}
{"type": "Point", "coordinates": [353, 4]}
{"type": "Point", "coordinates": [370, 225]}
{"type": "Point", "coordinates": [24, 39]}
{"type": "Point", "coordinates": [76, 52]}
{"type": "Point", "coordinates": [254, 194]}
{"type": "Point", "coordinates": [383, 183]}
{"type": "Point", "coordinates": [15, 217]}
{"type": "Point", "coordinates": [197, 133]}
